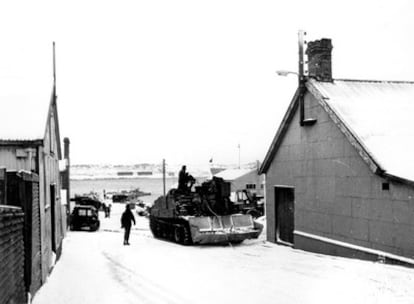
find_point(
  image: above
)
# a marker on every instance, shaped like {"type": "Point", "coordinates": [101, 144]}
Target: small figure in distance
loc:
{"type": "Point", "coordinates": [104, 209]}
{"type": "Point", "coordinates": [126, 222]}
{"type": "Point", "coordinates": [185, 180]}
{"type": "Point", "coordinates": [109, 209]}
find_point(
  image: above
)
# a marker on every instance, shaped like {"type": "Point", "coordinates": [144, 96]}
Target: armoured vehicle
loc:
{"type": "Point", "coordinates": [203, 216]}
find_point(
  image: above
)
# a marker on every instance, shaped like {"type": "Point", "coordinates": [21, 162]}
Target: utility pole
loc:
{"type": "Point", "coordinates": [163, 182]}
{"type": "Point", "coordinates": [239, 154]}
{"type": "Point", "coordinates": [54, 72]}
{"type": "Point", "coordinates": [303, 121]}
{"type": "Point", "coordinates": [301, 78]}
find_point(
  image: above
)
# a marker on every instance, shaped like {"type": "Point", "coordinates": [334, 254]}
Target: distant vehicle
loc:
{"type": "Point", "coordinates": [84, 216]}
{"type": "Point", "coordinates": [125, 173]}
{"type": "Point", "coordinates": [87, 200]}
{"type": "Point", "coordinates": [141, 209]}
{"type": "Point", "coordinates": [128, 196]}
{"type": "Point", "coordinates": [119, 198]}
{"type": "Point", "coordinates": [144, 173]}
{"type": "Point", "coordinates": [248, 203]}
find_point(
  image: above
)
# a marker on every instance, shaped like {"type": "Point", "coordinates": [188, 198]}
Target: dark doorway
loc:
{"type": "Point", "coordinates": [53, 215]}
{"type": "Point", "coordinates": [284, 200]}
{"type": "Point", "coordinates": [23, 191]}
{"type": "Point", "coordinates": [3, 181]}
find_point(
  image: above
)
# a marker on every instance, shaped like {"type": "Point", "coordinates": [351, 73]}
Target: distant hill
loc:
{"type": "Point", "coordinates": [141, 170]}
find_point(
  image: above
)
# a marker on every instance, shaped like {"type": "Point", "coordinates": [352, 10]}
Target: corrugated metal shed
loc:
{"type": "Point", "coordinates": [380, 114]}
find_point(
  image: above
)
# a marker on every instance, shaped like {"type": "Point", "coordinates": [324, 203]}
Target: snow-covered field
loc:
{"type": "Point", "coordinates": [96, 268]}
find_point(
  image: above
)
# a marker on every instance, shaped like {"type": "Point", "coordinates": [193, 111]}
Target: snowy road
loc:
{"type": "Point", "coordinates": [96, 268]}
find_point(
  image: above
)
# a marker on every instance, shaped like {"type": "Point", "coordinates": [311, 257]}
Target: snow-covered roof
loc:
{"type": "Point", "coordinates": [377, 116]}
{"type": "Point", "coordinates": [25, 106]}
{"type": "Point", "coordinates": [232, 174]}
{"type": "Point", "coordinates": [380, 115]}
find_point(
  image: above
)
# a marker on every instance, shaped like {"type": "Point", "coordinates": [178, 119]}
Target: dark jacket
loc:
{"type": "Point", "coordinates": [127, 218]}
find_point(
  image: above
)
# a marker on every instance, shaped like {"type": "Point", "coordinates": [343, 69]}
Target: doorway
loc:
{"type": "Point", "coordinates": [285, 214]}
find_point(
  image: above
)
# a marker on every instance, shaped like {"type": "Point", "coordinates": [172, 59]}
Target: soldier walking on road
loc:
{"type": "Point", "coordinates": [126, 222]}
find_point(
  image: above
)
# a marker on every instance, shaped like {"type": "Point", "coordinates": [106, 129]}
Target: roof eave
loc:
{"type": "Point", "coordinates": [57, 130]}
{"type": "Point", "coordinates": [239, 176]}
{"type": "Point", "coordinates": [53, 107]}
{"type": "Point", "coordinates": [21, 142]}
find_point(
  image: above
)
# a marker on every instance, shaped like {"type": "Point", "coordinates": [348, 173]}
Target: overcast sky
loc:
{"type": "Point", "coordinates": [139, 81]}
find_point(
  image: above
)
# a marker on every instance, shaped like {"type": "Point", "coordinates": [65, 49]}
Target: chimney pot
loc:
{"type": "Point", "coordinates": [319, 59]}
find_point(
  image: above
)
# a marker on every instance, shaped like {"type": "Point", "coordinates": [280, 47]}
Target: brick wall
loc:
{"type": "Point", "coordinates": [12, 289]}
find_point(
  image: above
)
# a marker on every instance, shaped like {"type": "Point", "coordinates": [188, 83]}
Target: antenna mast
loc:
{"type": "Point", "coordinates": [301, 80]}
{"type": "Point", "coordinates": [54, 72]}
{"type": "Point", "coordinates": [239, 154]}
{"type": "Point", "coordinates": [54, 65]}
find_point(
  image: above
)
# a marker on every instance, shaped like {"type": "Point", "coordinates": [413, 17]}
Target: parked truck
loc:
{"type": "Point", "coordinates": [248, 203]}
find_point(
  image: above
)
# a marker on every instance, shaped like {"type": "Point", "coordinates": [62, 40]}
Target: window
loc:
{"type": "Point", "coordinates": [241, 196]}
{"type": "Point", "coordinates": [250, 186]}
{"type": "Point", "coordinates": [84, 212]}
{"type": "Point", "coordinates": [81, 212]}
{"type": "Point", "coordinates": [385, 186]}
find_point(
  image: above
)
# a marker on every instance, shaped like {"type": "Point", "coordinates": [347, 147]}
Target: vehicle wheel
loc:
{"type": "Point", "coordinates": [95, 227]}
{"type": "Point", "coordinates": [254, 213]}
{"type": "Point", "coordinates": [170, 233]}
{"type": "Point", "coordinates": [187, 240]}
{"type": "Point", "coordinates": [164, 231]}
{"type": "Point", "coordinates": [178, 235]}
{"type": "Point", "coordinates": [157, 230]}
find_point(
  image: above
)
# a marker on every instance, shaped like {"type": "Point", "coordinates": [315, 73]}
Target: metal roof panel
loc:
{"type": "Point", "coordinates": [380, 113]}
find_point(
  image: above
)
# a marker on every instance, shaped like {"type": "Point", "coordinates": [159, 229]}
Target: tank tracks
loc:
{"type": "Point", "coordinates": [177, 231]}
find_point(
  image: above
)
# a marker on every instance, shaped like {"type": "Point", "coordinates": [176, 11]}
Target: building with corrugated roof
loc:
{"type": "Point", "coordinates": [339, 171]}
{"type": "Point", "coordinates": [243, 179]}
{"type": "Point", "coordinates": [30, 144]}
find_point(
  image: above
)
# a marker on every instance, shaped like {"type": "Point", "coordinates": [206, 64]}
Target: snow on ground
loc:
{"type": "Point", "coordinates": [96, 268]}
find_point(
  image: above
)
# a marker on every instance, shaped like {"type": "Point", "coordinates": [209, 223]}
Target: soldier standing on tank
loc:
{"type": "Point", "coordinates": [126, 222]}
{"type": "Point", "coordinates": [183, 179]}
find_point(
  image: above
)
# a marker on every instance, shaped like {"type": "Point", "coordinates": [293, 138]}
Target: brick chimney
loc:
{"type": "Point", "coordinates": [319, 59]}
